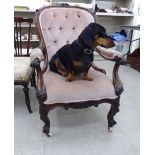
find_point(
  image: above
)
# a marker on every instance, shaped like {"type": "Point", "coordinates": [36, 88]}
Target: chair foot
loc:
{"type": "Point", "coordinates": [49, 135]}
{"type": "Point", "coordinates": [27, 98]}
{"type": "Point", "coordinates": [30, 111]}
{"type": "Point", "coordinates": [47, 132]}
{"type": "Point", "coordinates": [46, 128]}
{"type": "Point", "coordinates": [113, 110]}
{"type": "Point", "coordinates": [110, 129]}
{"type": "Point", "coordinates": [111, 123]}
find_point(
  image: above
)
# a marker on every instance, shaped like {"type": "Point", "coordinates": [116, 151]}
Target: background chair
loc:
{"type": "Point", "coordinates": [23, 72]}
{"type": "Point", "coordinates": [58, 26]}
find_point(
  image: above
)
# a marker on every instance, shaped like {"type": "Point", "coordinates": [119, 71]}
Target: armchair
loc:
{"type": "Point", "coordinates": [23, 72]}
{"type": "Point", "coordinates": [57, 26]}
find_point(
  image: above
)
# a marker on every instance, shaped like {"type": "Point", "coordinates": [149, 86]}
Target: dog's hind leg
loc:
{"type": "Point", "coordinates": [86, 77]}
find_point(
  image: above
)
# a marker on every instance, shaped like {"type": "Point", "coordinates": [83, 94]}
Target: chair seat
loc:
{"type": "Point", "coordinates": [22, 69]}
{"type": "Point", "coordinates": [60, 91]}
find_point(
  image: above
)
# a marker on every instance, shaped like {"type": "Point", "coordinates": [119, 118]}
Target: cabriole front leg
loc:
{"type": "Point", "coordinates": [43, 111]}
{"type": "Point", "coordinates": [113, 110]}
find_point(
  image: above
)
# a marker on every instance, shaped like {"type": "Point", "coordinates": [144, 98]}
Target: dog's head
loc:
{"type": "Point", "coordinates": [94, 35]}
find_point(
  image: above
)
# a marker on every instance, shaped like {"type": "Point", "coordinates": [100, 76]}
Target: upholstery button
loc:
{"type": "Point", "coordinates": [55, 41]}
{"type": "Point", "coordinates": [73, 28]}
{"type": "Point", "coordinates": [49, 28]}
{"type": "Point", "coordinates": [53, 15]}
{"type": "Point", "coordinates": [67, 41]}
{"type": "Point", "coordinates": [79, 16]}
{"type": "Point", "coordinates": [66, 16]}
{"type": "Point", "coordinates": [60, 28]}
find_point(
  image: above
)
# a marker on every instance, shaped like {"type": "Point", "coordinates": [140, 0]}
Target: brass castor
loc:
{"type": "Point", "coordinates": [110, 129]}
{"type": "Point", "coordinates": [49, 134]}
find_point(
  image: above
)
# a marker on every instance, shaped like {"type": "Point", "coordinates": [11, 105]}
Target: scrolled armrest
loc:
{"type": "Point", "coordinates": [40, 54]}
{"type": "Point", "coordinates": [40, 89]}
{"type": "Point", "coordinates": [108, 54]}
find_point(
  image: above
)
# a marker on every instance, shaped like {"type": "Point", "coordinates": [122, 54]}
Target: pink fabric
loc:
{"type": "Point", "coordinates": [108, 53]}
{"type": "Point", "coordinates": [60, 91]}
{"type": "Point", "coordinates": [62, 25]}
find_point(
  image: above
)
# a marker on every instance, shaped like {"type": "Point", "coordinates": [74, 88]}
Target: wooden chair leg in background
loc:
{"type": "Point", "coordinates": [33, 80]}
{"type": "Point", "coordinates": [27, 98]}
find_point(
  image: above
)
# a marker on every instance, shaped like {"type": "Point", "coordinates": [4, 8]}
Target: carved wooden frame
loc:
{"type": "Point", "coordinates": [41, 89]}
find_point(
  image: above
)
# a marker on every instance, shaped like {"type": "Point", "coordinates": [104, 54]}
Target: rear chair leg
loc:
{"type": "Point", "coordinates": [113, 110]}
{"type": "Point", "coordinates": [27, 98]}
{"type": "Point", "coordinates": [43, 111]}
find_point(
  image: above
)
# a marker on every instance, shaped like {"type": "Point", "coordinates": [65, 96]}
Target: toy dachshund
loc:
{"type": "Point", "coordinates": [77, 58]}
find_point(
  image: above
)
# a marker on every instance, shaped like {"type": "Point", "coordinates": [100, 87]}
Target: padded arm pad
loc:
{"type": "Point", "coordinates": [36, 53]}
{"type": "Point", "coordinates": [108, 53]}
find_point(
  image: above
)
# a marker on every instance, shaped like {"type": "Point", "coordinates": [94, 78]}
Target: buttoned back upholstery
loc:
{"type": "Point", "coordinates": [60, 26]}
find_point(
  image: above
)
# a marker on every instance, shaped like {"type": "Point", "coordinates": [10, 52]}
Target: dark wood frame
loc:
{"type": "Point", "coordinates": [18, 53]}
{"type": "Point", "coordinates": [41, 89]}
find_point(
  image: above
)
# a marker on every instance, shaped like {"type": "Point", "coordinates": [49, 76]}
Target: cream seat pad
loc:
{"type": "Point", "coordinates": [22, 69]}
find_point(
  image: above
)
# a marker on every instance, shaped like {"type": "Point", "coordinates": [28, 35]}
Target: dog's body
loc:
{"type": "Point", "coordinates": [73, 58]}
{"type": "Point", "coordinates": [76, 58]}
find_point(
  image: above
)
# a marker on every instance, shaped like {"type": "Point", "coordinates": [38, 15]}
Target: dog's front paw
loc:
{"type": "Point", "coordinates": [70, 78]}
{"type": "Point", "coordinates": [87, 78]}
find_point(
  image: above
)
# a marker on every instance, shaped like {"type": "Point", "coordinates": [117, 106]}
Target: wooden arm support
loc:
{"type": "Point", "coordinates": [118, 85]}
{"type": "Point", "coordinates": [40, 89]}
{"type": "Point", "coordinates": [119, 60]}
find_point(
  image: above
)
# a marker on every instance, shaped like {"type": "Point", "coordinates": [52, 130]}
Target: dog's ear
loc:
{"type": "Point", "coordinates": [87, 36]}
{"type": "Point", "coordinates": [99, 30]}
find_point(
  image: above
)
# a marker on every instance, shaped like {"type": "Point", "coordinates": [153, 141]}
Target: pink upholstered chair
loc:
{"type": "Point", "coordinates": [58, 26]}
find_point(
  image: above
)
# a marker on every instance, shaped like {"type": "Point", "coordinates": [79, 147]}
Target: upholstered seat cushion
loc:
{"type": "Point", "coordinates": [22, 69]}
{"type": "Point", "coordinates": [60, 91]}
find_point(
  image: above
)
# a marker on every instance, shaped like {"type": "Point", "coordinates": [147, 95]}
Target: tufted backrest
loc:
{"type": "Point", "coordinates": [60, 26]}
